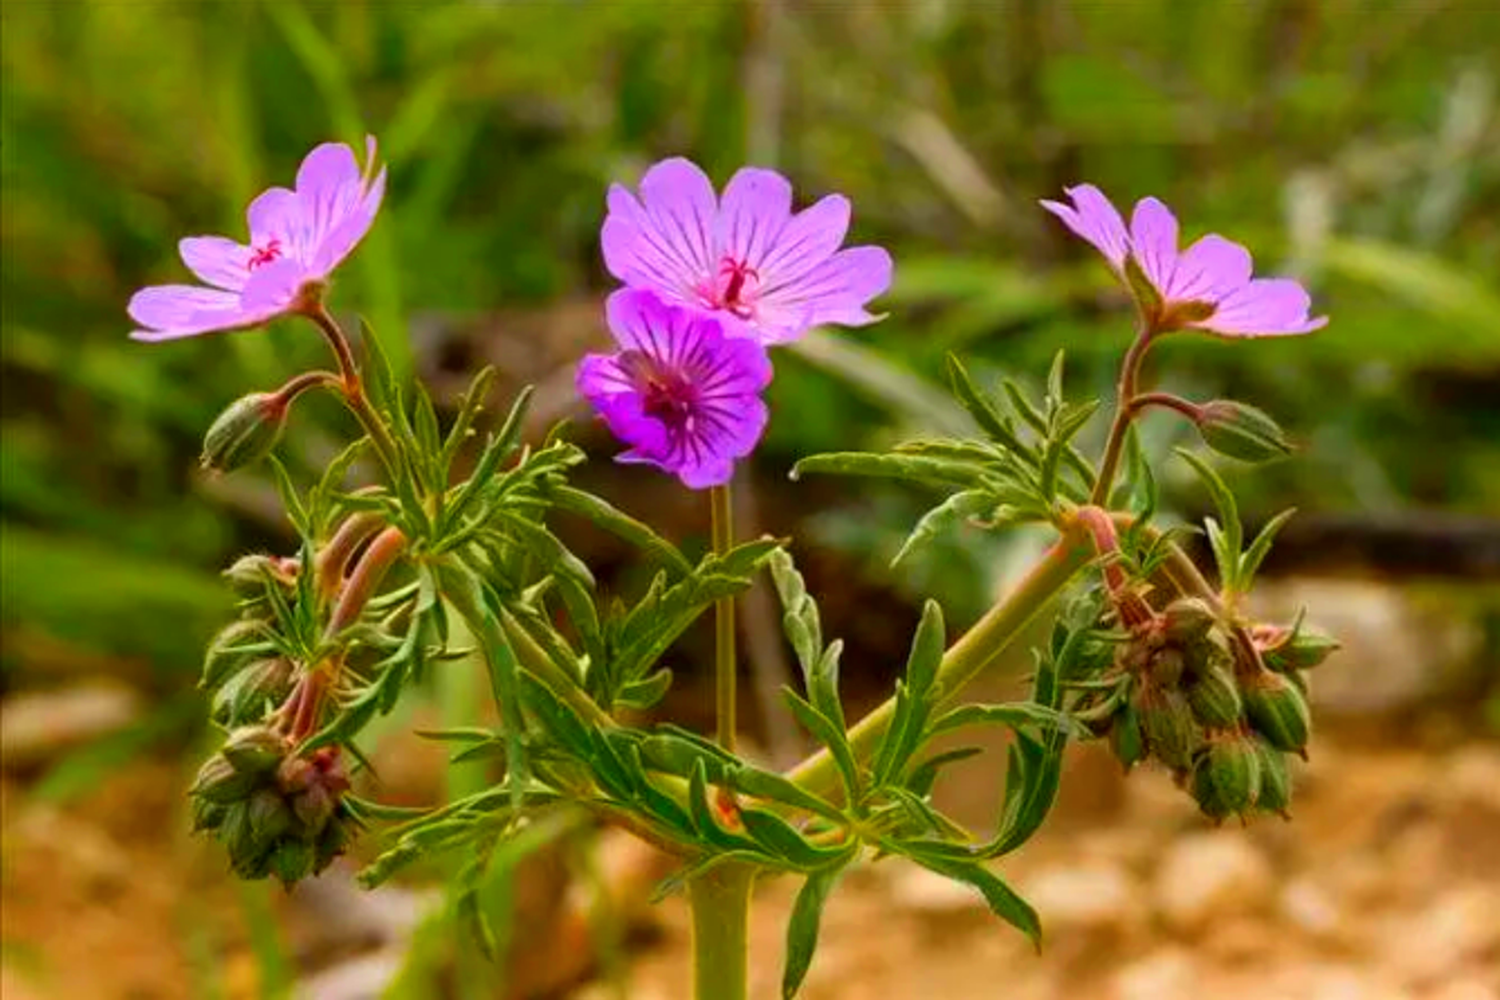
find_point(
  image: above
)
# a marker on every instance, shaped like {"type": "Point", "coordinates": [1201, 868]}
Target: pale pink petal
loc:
{"type": "Point", "coordinates": [216, 260]}
{"type": "Point", "coordinates": [169, 312]}
{"type": "Point", "coordinates": [1094, 218]}
{"type": "Point", "coordinates": [1153, 241]}
{"type": "Point", "coordinates": [330, 189]}
{"type": "Point", "coordinates": [273, 287]}
{"type": "Point", "coordinates": [835, 291]}
{"type": "Point", "coordinates": [1210, 269]}
{"type": "Point", "coordinates": [276, 214]}
{"type": "Point", "coordinates": [345, 236]}
{"type": "Point", "coordinates": [809, 239]}
{"type": "Point", "coordinates": [665, 241]}
{"type": "Point", "coordinates": [756, 207]}
{"type": "Point", "coordinates": [1265, 307]}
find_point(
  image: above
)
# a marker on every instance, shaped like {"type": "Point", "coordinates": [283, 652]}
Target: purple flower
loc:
{"type": "Point", "coordinates": [681, 394]}
{"type": "Point", "coordinates": [297, 238]}
{"type": "Point", "coordinates": [1205, 287]}
{"type": "Point", "coordinates": [763, 271]}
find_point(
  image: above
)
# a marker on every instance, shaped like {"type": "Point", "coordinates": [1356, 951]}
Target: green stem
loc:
{"type": "Point", "coordinates": [724, 658]}
{"type": "Point", "coordinates": [977, 649]}
{"type": "Point", "coordinates": [1130, 370]}
{"type": "Point", "coordinates": [354, 389]}
{"type": "Point", "coordinates": [720, 900]}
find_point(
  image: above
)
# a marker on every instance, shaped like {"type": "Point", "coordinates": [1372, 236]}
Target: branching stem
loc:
{"type": "Point", "coordinates": [1130, 370]}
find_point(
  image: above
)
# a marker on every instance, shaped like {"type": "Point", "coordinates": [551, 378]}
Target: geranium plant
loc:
{"type": "Point", "coordinates": [1144, 651]}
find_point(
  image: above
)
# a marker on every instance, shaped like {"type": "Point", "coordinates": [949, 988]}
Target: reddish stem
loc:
{"type": "Point", "coordinates": [333, 560]}
{"type": "Point", "coordinates": [1167, 400]}
{"type": "Point", "coordinates": [1101, 528]}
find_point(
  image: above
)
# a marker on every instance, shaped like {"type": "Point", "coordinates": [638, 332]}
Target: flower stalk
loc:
{"type": "Point", "coordinates": [725, 665]}
{"type": "Point", "coordinates": [720, 901]}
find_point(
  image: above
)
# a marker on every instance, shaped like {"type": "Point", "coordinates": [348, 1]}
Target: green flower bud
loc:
{"type": "Point", "coordinates": [249, 573]}
{"type": "Point", "coordinates": [1275, 780]}
{"type": "Point", "coordinates": [206, 815]}
{"type": "Point", "coordinates": [219, 782]}
{"type": "Point", "coordinates": [331, 843]}
{"type": "Point", "coordinates": [1167, 723]}
{"type": "Point", "coordinates": [1227, 778]}
{"type": "Point", "coordinates": [253, 692]}
{"type": "Point", "coordinates": [314, 806]}
{"type": "Point", "coordinates": [237, 644]}
{"type": "Point", "coordinates": [1166, 667]}
{"type": "Point", "coordinates": [1241, 431]}
{"type": "Point", "coordinates": [1277, 710]}
{"type": "Point", "coordinates": [1302, 649]}
{"type": "Point", "coordinates": [245, 432]}
{"type": "Point", "coordinates": [293, 860]}
{"type": "Point", "coordinates": [1214, 698]}
{"type": "Point", "coordinates": [1187, 621]}
{"type": "Point", "coordinates": [1125, 737]}
{"type": "Point", "coordinates": [255, 750]}
{"type": "Point", "coordinates": [270, 817]}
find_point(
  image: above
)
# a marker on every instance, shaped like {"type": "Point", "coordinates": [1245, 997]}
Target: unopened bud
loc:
{"type": "Point", "coordinates": [249, 574]}
{"type": "Point", "coordinates": [1275, 780]}
{"type": "Point", "coordinates": [245, 432]}
{"type": "Point", "coordinates": [1125, 737]}
{"type": "Point", "coordinates": [1166, 667]}
{"type": "Point", "coordinates": [1288, 651]}
{"type": "Point", "coordinates": [235, 645]}
{"type": "Point", "coordinates": [269, 817]}
{"type": "Point", "coordinates": [1214, 698]}
{"type": "Point", "coordinates": [331, 843]}
{"type": "Point", "coordinates": [1227, 778]}
{"type": "Point", "coordinates": [1167, 723]}
{"type": "Point", "coordinates": [255, 750]}
{"type": "Point", "coordinates": [293, 860]}
{"type": "Point", "coordinates": [313, 807]}
{"type": "Point", "coordinates": [206, 815]}
{"type": "Point", "coordinates": [1241, 431]}
{"type": "Point", "coordinates": [1187, 621]}
{"type": "Point", "coordinates": [253, 692]}
{"type": "Point", "coordinates": [221, 783]}
{"type": "Point", "coordinates": [1277, 710]}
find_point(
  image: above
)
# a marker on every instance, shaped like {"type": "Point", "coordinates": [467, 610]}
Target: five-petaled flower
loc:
{"type": "Point", "coordinates": [1204, 287]}
{"type": "Point", "coordinates": [746, 258]}
{"type": "Point", "coordinates": [684, 396]}
{"type": "Point", "coordinates": [297, 238]}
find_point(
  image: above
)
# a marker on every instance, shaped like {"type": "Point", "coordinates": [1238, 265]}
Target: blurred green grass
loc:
{"type": "Point", "coordinates": [1352, 143]}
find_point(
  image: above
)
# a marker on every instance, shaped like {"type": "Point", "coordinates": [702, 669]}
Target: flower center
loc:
{"type": "Point", "coordinates": [666, 393]}
{"type": "Point", "coordinates": [737, 286]}
{"type": "Point", "coordinates": [264, 255]}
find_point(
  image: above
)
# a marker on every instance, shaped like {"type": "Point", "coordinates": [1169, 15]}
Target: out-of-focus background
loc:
{"type": "Point", "coordinates": [1355, 145]}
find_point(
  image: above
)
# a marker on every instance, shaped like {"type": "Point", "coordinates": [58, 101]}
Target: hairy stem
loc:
{"type": "Point", "coordinates": [724, 635]}
{"type": "Point", "coordinates": [1166, 400]}
{"type": "Point", "coordinates": [977, 649]}
{"type": "Point", "coordinates": [720, 901]}
{"type": "Point", "coordinates": [1130, 370]}
{"type": "Point", "coordinates": [333, 559]}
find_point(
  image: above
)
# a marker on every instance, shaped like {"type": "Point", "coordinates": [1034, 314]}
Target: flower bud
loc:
{"type": "Point", "coordinates": [269, 817]}
{"type": "Point", "coordinates": [331, 843]}
{"type": "Point", "coordinates": [251, 693]}
{"type": "Point", "coordinates": [221, 783]}
{"type": "Point", "coordinates": [249, 574]}
{"type": "Point", "coordinates": [1275, 780]}
{"type": "Point", "coordinates": [1241, 431]}
{"type": "Point", "coordinates": [245, 432]}
{"type": "Point", "coordinates": [1187, 621]}
{"type": "Point", "coordinates": [1125, 737]}
{"type": "Point", "coordinates": [1214, 698]}
{"type": "Point", "coordinates": [255, 750]}
{"type": "Point", "coordinates": [1227, 778]}
{"type": "Point", "coordinates": [228, 651]}
{"type": "Point", "coordinates": [206, 815]}
{"type": "Point", "coordinates": [1166, 667]}
{"type": "Point", "coordinates": [1167, 723]}
{"type": "Point", "coordinates": [1286, 652]}
{"type": "Point", "coordinates": [1277, 710]}
{"type": "Point", "coordinates": [314, 806]}
{"type": "Point", "coordinates": [293, 860]}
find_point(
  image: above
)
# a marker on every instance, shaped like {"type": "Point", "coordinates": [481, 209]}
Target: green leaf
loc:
{"type": "Point", "coordinates": [1013, 716]}
{"type": "Point", "coordinates": [913, 697]}
{"type": "Point", "coordinates": [646, 692]}
{"type": "Point", "coordinates": [831, 736]}
{"type": "Point", "coordinates": [925, 774]}
{"type": "Point", "coordinates": [621, 525]}
{"type": "Point", "coordinates": [291, 500]}
{"type": "Point", "coordinates": [782, 841]}
{"type": "Point", "coordinates": [802, 928]}
{"type": "Point", "coordinates": [469, 409]}
{"type": "Point", "coordinates": [771, 786]}
{"type": "Point", "coordinates": [1258, 550]}
{"type": "Point", "coordinates": [996, 425]}
{"type": "Point", "coordinates": [911, 468]}
{"type": "Point", "coordinates": [1223, 500]}
{"type": "Point", "coordinates": [955, 510]}
{"type": "Point", "coordinates": [1001, 898]}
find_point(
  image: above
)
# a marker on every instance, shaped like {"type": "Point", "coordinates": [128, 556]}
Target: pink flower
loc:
{"type": "Point", "coordinates": [1205, 287]}
{"type": "Point", "coordinates": [746, 258]}
{"type": "Point", "coordinates": [297, 238]}
{"type": "Point", "coordinates": [683, 396]}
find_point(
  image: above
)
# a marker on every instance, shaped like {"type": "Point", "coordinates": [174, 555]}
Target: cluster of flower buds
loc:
{"type": "Point", "coordinates": [1222, 722]}
{"type": "Point", "coordinates": [277, 813]}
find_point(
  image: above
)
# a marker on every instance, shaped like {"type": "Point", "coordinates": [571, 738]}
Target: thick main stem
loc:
{"type": "Point", "coordinates": [977, 649]}
{"type": "Point", "coordinates": [725, 668]}
{"type": "Point", "coordinates": [720, 901]}
{"type": "Point", "coordinates": [1130, 370]}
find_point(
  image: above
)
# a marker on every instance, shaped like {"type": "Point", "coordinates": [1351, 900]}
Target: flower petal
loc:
{"type": "Point", "coordinates": [809, 239]}
{"type": "Point", "coordinates": [1265, 307]}
{"type": "Point", "coordinates": [1094, 217]}
{"type": "Point", "coordinates": [1153, 241]}
{"type": "Point", "coordinates": [640, 321]}
{"type": "Point", "coordinates": [273, 287]}
{"type": "Point", "coordinates": [331, 190]}
{"type": "Point", "coordinates": [216, 260]}
{"type": "Point", "coordinates": [276, 214]}
{"type": "Point", "coordinates": [756, 207]}
{"type": "Point", "coordinates": [344, 237]}
{"type": "Point", "coordinates": [1210, 269]}
{"type": "Point", "coordinates": [666, 240]}
{"type": "Point", "coordinates": [833, 292]}
{"type": "Point", "coordinates": [169, 312]}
